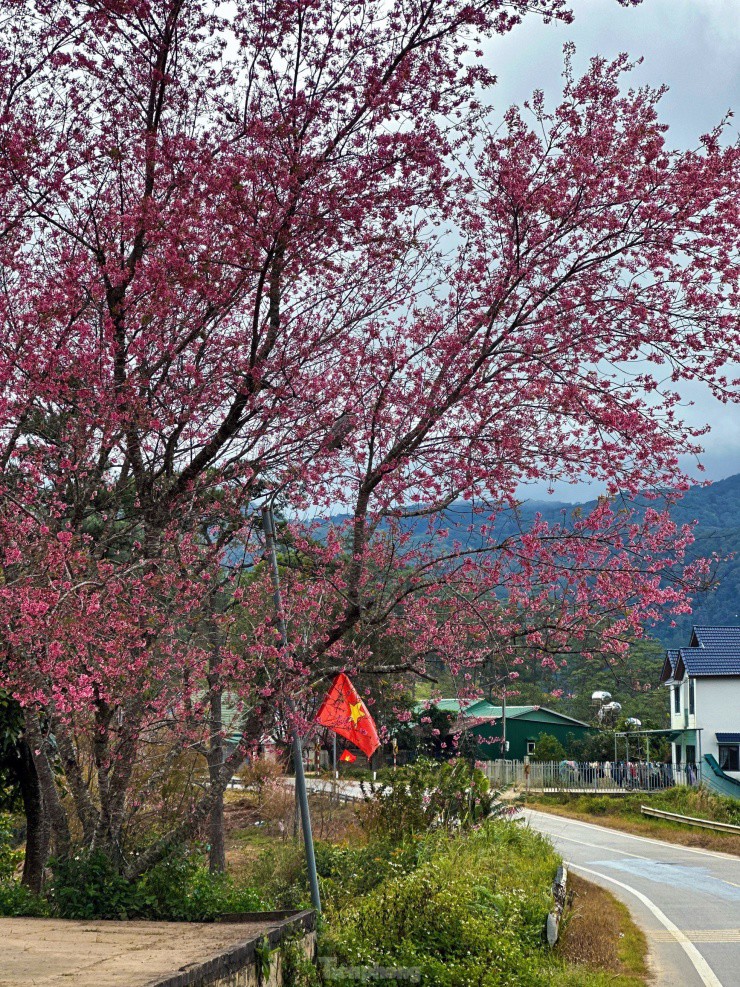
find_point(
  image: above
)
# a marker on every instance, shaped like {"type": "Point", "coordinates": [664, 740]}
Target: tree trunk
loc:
{"type": "Point", "coordinates": [86, 811]}
{"type": "Point", "coordinates": [113, 797]}
{"type": "Point", "coordinates": [186, 830]}
{"type": "Point", "coordinates": [53, 808]}
{"type": "Point", "coordinates": [216, 753]}
{"type": "Point", "coordinates": [296, 811]}
{"type": "Point", "coordinates": [38, 833]}
{"type": "Point", "coordinates": [216, 821]}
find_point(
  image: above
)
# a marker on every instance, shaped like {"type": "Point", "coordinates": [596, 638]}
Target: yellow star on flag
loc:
{"type": "Point", "coordinates": [356, 711]}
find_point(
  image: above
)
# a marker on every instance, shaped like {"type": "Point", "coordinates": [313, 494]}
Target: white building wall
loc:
{"type": "Point", "coordinates": [683, 719]}
{"type": "Point", "coordinates": [717, 705]}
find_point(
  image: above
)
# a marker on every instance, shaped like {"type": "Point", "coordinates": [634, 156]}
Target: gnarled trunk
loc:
{"type": "Point", "coordinates": [38, 830]}
{"type": "Point", "coordinates": [54, 811]}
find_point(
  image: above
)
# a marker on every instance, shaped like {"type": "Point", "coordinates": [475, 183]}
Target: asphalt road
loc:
{"type": "Point", "coordinates": [686, 900]}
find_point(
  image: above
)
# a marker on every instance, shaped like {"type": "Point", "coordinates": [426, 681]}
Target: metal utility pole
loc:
{"type": "Point", "coordinates": [268, 526]}
{"type": "Point", "coordinates": [503, 718]}
{"type": "Point", "coordinates": [503, 680]}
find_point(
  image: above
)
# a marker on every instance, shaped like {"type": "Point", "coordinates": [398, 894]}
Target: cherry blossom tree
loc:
{"type": "Point", "coordinates": [288, 250]}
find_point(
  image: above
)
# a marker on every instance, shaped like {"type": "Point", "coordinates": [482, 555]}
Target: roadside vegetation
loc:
{"type": "Point", "coordinates": [464, 903]}
{"type": "Point", "coordinates": [599, 934]}
{"type": "Point", "coordinates": [429, 875]}
{"type": "Point", "coordinates": [623, 812]}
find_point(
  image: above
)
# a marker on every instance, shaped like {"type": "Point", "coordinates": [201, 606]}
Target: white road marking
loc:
{"type": "Point", "coordinates": [697, 935]}
{"type": "Point", "coordinates": [625, 853]}
{"type": "Point", "coordinates": [631, 836]}
{"type": "Point", "coordinates": [597, 846]}
{"type": "Point", "coordinates": [707, 975]}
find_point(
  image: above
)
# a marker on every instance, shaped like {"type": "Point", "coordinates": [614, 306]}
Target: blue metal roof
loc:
{"type": "Point", "coordinates": [672, 657]}
{"type": "Point", "coordinates": [728, 738]}
{"type": "Point", "coordinates": [714, 651]}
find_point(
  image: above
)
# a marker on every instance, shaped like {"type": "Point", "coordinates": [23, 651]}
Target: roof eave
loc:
{"type": "Point", "coordinates": [666, 672]}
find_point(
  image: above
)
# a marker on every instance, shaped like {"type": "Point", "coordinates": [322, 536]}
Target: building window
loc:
{"type": "Point", "coordinates": [678, 754]}
{"type": "Point", "coordinates": [729, 757]}
{"type": "Point", "coordinates": [691, 697]}
{"type": "Point", "coordinates": [690, 754]}
{"type": "Point", "coordinates": [677, 699]}
{"type": "Point", "coordinates": [530, 747]}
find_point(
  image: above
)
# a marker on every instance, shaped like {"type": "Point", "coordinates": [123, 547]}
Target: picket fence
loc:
{"type": "Point", "coordinates": [600, 776]}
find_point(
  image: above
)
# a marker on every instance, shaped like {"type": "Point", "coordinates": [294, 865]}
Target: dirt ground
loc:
{"type": "Point", "coordinates": [55, 952]}
{"type": "Point", "coordinates": [599, 933]}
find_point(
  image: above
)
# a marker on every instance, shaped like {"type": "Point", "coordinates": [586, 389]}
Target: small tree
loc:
{"type": "Point", "coordinates": [548, 748]}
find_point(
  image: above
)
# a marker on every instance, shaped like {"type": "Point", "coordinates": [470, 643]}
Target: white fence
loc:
{"type": "Point", "coordinates": [599, 776]}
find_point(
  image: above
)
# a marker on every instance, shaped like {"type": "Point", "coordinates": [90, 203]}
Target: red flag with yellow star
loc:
{"type": "Point", "coordinates": [346, 714]}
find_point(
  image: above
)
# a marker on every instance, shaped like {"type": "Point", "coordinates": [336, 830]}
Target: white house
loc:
{"type": "Point", "coordinates": [704, 683]}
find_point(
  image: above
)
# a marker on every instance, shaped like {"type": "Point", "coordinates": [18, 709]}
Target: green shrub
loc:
{"type": "Point", "coordinates": [471, 912]}
{"type": "Point", "coordinates": [698, 802]}
{"type": "Point", "coordinates": [89, 886]}
{"type": "Point", "coordinates": [297, 969]}
{"type": "Point", "coordinates": [426, 794]}
{"type": "Point", "coordinates": [183, 889]}
{"type": "Point", "coordinates": [348, 872]}
{"type": "Point", "coordinates": [598, 805]}
{"type": "Point", "coordinates": [178, 889]}
{"type": "Point", "coordinates": [548, 748]}
{"type": "Point", "coordinates": [281, 875]}
{"type": "Point", "coordinates": [17, 899]}
{"type": "Point", "coordinates": [9, 856]}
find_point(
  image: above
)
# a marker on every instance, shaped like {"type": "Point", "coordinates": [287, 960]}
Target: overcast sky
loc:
{"type": "Point", "coordinates": [693, 46]}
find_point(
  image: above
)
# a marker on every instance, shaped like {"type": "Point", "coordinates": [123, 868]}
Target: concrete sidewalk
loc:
{"type": "Point", "coordinates": [52, 952]}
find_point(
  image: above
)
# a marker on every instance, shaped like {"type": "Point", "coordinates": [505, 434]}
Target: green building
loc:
{"type": "Point", "coordinates": [524, 726]}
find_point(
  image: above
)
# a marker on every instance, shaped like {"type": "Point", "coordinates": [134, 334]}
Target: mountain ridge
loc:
{"type": "Point", "coordinates": [714, 512]}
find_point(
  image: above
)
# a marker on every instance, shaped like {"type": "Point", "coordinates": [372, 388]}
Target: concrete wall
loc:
{"type": "Point", "coordinates": [241, 966]}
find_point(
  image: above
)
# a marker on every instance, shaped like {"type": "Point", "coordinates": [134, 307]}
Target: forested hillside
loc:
{"type": "Point", "coordinates": [716, 511]}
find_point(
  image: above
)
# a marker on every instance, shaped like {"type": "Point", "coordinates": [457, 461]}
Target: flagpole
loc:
{"type": "Point", "coordinates": [268, 526]}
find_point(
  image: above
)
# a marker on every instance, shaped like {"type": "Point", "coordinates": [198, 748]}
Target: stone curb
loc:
{"type": "Point", "coordinates": [237, 958]}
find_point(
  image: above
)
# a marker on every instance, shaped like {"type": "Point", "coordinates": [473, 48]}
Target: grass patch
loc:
{"type": "Point", "coordinates": [599, 934]}
{"type": "Point", "coordinates": [622, 812]}
{"type": "Point", "coordinates": [460, 910]}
